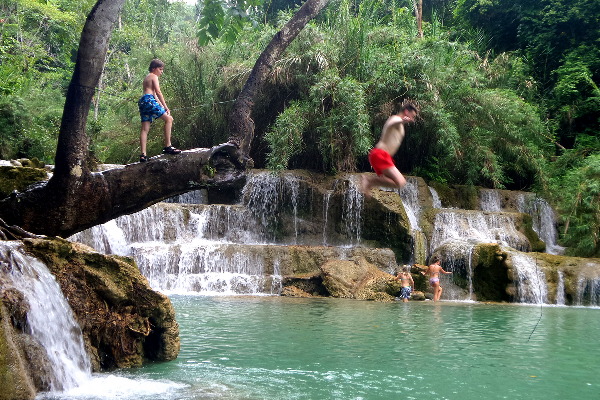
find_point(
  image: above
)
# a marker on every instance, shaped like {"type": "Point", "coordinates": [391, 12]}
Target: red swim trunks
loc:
{"type": "Point", "coordinates": [380, 160]}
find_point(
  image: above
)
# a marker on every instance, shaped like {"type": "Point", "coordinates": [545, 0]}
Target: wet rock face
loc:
{"type": "Point", "coordinates": [360, 280]}
{"type": "Point", "coordinates": [122, 319]}
{"type": "Point", "coordinates": [23, 362]}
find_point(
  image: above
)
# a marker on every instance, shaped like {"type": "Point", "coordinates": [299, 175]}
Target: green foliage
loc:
{"type": "Point", "coordinates": [578, 195]}
{"type": "Point", "coordinates": [577, 104]}
{"type": "Point", "coordinates": [226, 23]}
{"type": "Point", "coordinates": [341, 121]}
{"type": "Point", "coordinates": [285, 137]}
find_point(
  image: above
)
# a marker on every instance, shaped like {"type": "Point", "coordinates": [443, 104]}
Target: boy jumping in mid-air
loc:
{"type": "Point", "coordinates": [407, 282]}
{"type": "Point", "coordinates": [381, 156]}
{"type": "Point", "coordinates": [434, 277]}
{"type": "Point", "coordinates": [152, 106]}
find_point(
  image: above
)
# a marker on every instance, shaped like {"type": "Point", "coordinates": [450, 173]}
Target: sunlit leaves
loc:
{"type": "Point", "coordinates": [225, 20]}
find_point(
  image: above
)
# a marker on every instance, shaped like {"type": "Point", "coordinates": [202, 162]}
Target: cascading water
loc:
{"type": "Point", "coordinates": [50, 318]}
{"type": "Point", "coordinates": [543, 222]}
{"type": "Point", "coordinates": [225, 249]}
{"type": "Point", "coordinates": [468, 225]}
{"type": "Point", "coordinates": [437, 203]}
{"type": "Point", "coordinates": [193, 197]}
{"type": "Point", "coordinates": [588, 291]}
{"type": "Point", "coordinates": [458, 258]}
{"type": "Point", "coordinates": [292, 184]}
{"type": "Point", "coordinates": [560, 289]}
{"type": "Point", "coordinates": [489, 200]}
{"type": "Point", "coordinates": [327, 197]}
{"type": "Point", "coordinates": [594, 292]}
{"type": "Point", "coordinates": [352, 211]}
{"type": "Point", "coordinates": [410, 200]}
{"type": "Point", "coordinates": [530, 280]}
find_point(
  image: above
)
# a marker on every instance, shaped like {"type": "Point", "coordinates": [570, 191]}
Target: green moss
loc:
{"type": "Point", "coordinates": [18, 178]}
{"type": "Point", "coordinates": [458, 196]}
{"type": "Point", "coordinates": [526, 227]}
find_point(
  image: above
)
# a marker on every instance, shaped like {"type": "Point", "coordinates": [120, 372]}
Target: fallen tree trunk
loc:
{"type": "Point", "coordinates": [102, 196]}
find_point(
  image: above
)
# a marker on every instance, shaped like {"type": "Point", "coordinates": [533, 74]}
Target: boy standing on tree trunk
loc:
{"type": "Point", "coordinates": [381, 156]}
{"type": "Point", "coordinates": [152, 106]}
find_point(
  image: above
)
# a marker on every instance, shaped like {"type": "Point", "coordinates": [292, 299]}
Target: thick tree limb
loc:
{"type": "Point", "coordinates": [241, 126]}
{"type": "Point", "coordinates": [102, 196]}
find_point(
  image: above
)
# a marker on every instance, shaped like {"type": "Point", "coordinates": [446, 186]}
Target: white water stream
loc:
{"type": "Point", "coordinates": [49, 319]}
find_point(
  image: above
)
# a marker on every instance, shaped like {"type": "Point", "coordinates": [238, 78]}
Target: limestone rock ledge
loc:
{"type": "Point", "coordinates": [122, 319]}
{"type": "Point", "coordinates": [356, 278]}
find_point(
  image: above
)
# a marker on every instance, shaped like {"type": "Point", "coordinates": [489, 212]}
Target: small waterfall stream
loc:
{"type": "Point", "coordinates": [49, 319]}
{"type": "Point", "coordinates": [531, 282]}
{"type": "Point", "coordinates": [544, 222]}
{"type": "Point", "coordinates": [560, 289]}
{"type": "Point", "coordinates": [352, 211]}
{"type": "Point", "coordinates": [482, 227]}
{"type": "Point", "coordinates": [489, 200]}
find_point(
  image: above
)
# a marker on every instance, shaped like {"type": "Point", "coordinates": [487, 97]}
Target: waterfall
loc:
{"type": "Point", "coordinates": [588, 287]}
{"type": "Point", "coordinates": [560, 289]}
{"type": "Point", "coordinates": [326, 198]}
{"type": "Point", "coordinates": [292, 183]}
{"type": "Point", "coordinates": [206, 267]}
{"type": "Point", "coordinates": [458, 255]}
{"type": "Point", "coordinates": [594, 292]}
{"type": "Point", "coordinates": [352, 210]}
{"type": "Point", "coordinates": [193, 197]}
{"type": "Point", "coordinates": [489, 200]}
{"type": "Point", "coordinates": [529, 279]}
{"type": "Point", "coordinates": [410, 200]}
{"type": "Point", "coordinates": [50, 319]}
{"type": "Point", "coordinates": [261, 194]}
{"type": "Point", "coordinates": [476, 226]}
{"type": "Point", "coordinates": [544, 222]}
{"type": "Point", "coordinates": [581, 285]}
{"type": "Point", "coordinates": [437, 203]}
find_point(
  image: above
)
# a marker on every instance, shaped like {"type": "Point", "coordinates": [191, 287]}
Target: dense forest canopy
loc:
{"type": "Point", "coordinates": [508, 91]}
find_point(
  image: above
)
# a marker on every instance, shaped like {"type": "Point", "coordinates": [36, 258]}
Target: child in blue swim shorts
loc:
{"type": "Point", "coordinates": [407, 283]}
{"type": "Point", "coordinates": [152, 106]}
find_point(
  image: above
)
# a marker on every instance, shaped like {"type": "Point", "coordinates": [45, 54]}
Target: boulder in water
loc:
{"type": "Point", "coordinates": [359, 280]}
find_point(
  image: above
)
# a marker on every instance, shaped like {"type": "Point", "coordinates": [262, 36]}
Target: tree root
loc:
{"type": "Point", "coordinates": [13, 232]}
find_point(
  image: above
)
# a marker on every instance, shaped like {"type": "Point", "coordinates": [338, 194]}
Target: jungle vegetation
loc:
{"type": "Point", "coordinates": [507, 91]}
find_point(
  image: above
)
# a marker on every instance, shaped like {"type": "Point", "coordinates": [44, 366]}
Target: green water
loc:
{"type": "Point", "coordinates": [279, 348]}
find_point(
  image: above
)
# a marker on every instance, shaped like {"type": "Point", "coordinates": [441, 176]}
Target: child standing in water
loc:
{"type": "Point", "coordinates": [407, 282]}
{"type": "Point", "coordinates": [434, 277]}
{"type": "Point", "coordinates": [152, 105]}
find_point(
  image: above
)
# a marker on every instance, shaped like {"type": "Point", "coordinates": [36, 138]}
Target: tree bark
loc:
{"type": "Point", "coordinates": [102, 196]}
{"type": "Point", "coordinates": [241, 126]}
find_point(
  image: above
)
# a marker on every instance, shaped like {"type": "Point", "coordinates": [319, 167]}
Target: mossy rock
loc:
{"type": "Point", "coordinates": [19, 178]}
{"type": "Point", "coordinates": [123, 321]}
{"type": "Point", "coordinates": [457, 196]}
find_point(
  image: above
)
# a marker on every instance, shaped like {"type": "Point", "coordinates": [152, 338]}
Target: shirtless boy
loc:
{"type": "Point", "coordinates": [381, 155]}
{"type": "Point", "coordinates": [152, 106]}
{"type": "Point", "coordinates": [407, 283]}
{"type": "Point", "coordinates": [434, 271]}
